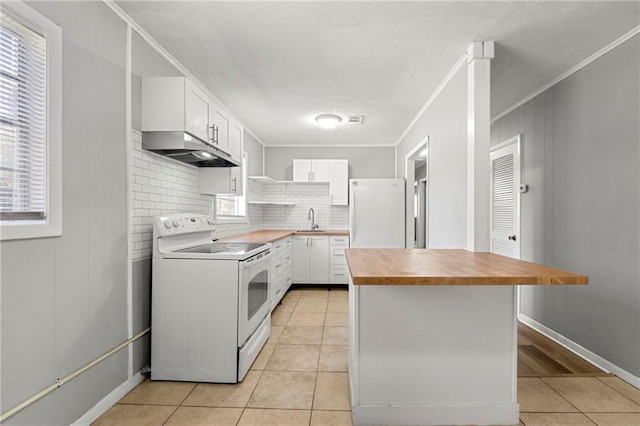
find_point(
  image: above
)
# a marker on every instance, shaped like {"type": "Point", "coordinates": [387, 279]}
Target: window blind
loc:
{"type": "Point", "coordinates": [23, 121]}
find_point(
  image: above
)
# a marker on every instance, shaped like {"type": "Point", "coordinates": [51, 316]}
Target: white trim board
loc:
{"type": "Point", "coordinates": [566, 74]}
{"type": "Point", "coordinates": [456, 414]}
{"type": "Point", "coordinates": [582, 352]}
{"type": "Point", "coordinates": [109, 401]}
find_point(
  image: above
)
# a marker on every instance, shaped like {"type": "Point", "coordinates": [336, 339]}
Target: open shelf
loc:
{"type": "Point", "coordinates": [267, 179]}
{"type": "Point", "coordinates": [273, 203]}
{"type": "Point", "coordinates": [270, 181]}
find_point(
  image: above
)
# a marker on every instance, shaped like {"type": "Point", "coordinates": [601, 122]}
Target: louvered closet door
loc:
{"type": "Point", "coordinates": [505, 201]}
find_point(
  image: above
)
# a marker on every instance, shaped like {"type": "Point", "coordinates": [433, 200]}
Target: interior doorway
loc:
{"type": "Point", "coordinates": [417, 200]}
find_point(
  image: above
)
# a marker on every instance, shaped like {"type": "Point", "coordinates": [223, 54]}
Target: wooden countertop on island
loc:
{"type": "Point", "coordinates": [269, 236]}
{"type": "Point", "coordinates": [450, 267]}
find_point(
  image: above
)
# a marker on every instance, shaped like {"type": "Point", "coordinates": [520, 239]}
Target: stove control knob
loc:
{"type": "Point", "coordinates": [167, 224]}
{"type": "Point", "coordinates": [175, 222]}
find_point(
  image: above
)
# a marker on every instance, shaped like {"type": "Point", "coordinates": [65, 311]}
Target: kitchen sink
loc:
{"type": "Point", "coordinates": [312, 230]}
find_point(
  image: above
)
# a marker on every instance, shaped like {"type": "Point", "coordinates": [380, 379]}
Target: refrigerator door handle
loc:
{"type": "Point", "coordinates": [353, 215]}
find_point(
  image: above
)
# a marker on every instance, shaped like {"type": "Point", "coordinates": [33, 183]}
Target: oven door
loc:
{"type": "Point", "coordinates": [253, 294]}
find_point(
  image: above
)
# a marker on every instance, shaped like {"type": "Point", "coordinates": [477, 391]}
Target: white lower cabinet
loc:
{"type": "Point", "coordinates": [310, 259]}
{"type": "Point", "coordinates": [281, 263]}
{"type": "Point", "coordinates": [338, 270]}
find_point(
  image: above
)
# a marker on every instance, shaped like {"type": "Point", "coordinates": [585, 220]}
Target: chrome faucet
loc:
{"type": "Point", "coordinates": [312, 216]}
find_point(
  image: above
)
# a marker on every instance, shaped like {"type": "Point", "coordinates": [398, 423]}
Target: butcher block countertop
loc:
{"type": "Point", "coordinates": [269, 236]}
{"type": "Point", "coordinates": [450, 267]}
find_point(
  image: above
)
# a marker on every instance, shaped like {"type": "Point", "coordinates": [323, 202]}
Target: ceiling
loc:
{"type": "Point", "coordinates": [277, 65]}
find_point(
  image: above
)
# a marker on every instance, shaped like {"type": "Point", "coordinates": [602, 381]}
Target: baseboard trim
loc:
{"type": "Point", "coordinates": [108, 401]}
{"type": "Point", "coordinates": [581, 351]}
{"type": "Point", "coordinates": [431, 415]}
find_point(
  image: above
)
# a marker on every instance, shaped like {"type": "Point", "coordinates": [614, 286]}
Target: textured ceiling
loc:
{"type": "Point", "coordinates": [277, 65]}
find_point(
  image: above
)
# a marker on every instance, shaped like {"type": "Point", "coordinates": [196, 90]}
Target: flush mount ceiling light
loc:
{"type": "Point", "coordinates": [328, 121]}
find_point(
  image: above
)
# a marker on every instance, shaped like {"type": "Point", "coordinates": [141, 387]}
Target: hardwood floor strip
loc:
{"type": "Point", "coordinates": [539, 356]}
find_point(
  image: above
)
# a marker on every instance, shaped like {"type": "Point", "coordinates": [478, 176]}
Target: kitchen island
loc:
{"type": "Point", "coordinates": [433, 335]}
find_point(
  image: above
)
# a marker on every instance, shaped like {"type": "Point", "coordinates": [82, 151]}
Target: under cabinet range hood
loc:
{"type": "Point", "coordinates": [184, 147]}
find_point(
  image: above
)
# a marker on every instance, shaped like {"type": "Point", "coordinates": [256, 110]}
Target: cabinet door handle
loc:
{"type": "Point", "coordinates": [309, 176]}
{"type": "Point", "coordinates": [235, 185]}
{"type": "Point", "coordinates": [215, 134]}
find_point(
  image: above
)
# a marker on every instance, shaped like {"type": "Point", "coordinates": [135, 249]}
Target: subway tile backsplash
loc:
{"type": "Point", "coordinates": [162, 186]}
{"type": "Point", "coordinates": [303, 196]}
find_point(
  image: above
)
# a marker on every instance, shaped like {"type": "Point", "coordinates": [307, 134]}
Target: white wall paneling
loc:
{"type": "Point", "coordinates": [64, 299]}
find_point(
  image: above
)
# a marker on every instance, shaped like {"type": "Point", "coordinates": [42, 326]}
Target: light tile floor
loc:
{"type": "Point", "coordinates": [300, 378]}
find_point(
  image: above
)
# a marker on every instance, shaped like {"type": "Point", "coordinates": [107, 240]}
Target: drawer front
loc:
{"type": "Point", "coordinates": [276, 266]}
{"type": "Point", "coordinates": [279, 246]}
{"type": "Point", "coordinates": [339, 274]}
{"type": "Point", "coordinates": [337, 256]}
{"type": "Point", "coordinates": [339, 240]}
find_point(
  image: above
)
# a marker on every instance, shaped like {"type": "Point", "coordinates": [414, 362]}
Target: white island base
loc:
{"type": "Point", "coordinates": [433, 355]}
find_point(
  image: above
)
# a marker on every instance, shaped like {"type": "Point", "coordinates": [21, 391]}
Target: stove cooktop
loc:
{"type": "Point", "coordinates": [222, 248]}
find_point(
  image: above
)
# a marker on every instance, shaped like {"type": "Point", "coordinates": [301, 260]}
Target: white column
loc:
{"type": "Point", "coordinates": [479, 55]}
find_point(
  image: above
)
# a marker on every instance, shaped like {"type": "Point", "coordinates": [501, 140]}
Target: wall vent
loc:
{"type": "Point", "coordinates": [355, 119]}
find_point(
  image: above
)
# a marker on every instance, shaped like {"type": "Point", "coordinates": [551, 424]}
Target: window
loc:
{"type": "Point", "coordinates": [29, 124]}
{"type": "Point", "coordinates": [233, 208]}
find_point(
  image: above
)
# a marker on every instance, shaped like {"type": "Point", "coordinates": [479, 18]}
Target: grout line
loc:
{"type": "Point", "coordinates": [561, 396]}
{"type": "Point", "coordinates": [171, 415]}
{"type": "Point", "coordinates": [616, 390]}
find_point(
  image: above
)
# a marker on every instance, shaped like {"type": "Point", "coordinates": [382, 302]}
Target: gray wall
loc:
{"type": "Point", "coordinates": [366, 162]}
{"type": "Point", "coordinates": [64, 300]}
{"type": "Point", "coordinates": [253, 148]}
{"type": "Point", "coordinates": [445, 123]}
{"type": "Point", "coordinates": [581, 160]}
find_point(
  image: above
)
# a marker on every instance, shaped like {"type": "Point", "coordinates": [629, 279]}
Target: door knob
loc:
{"type": "Point", "coordinates": [512, 237]}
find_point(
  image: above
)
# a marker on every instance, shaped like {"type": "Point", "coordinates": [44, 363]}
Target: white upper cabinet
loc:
{"type": "Point", "coordinates": [177, 104]}
{"type": "Point", "coordinates": [174, 104]}
{"type": "Point", "coordinates": [221, 180]}
{"type": "Point", "coordinates": [196, 115]}
{"type": "Point", "coordinates": [220, 125]}
{"type": "Point", "coordinates": [302, 170]}
{"type": "Point", "coordinates": [335, 172]}
{"type": "Point", "coordinates": [236, 140]}
{"type": "Point", "coordinates": [339, 183]}
{"type": "Point", "coordinates": [311, 170]}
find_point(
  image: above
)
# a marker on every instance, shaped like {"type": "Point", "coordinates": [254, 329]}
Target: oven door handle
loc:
{"type": "Point", "coordinates": [252, 261]}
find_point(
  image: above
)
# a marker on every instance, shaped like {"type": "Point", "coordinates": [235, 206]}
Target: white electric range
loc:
{"type": "Point", "coordinates": [210, 302]}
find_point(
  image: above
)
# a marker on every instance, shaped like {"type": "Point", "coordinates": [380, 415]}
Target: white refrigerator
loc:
{"type": "Point", "coordinates": [377, 213]}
